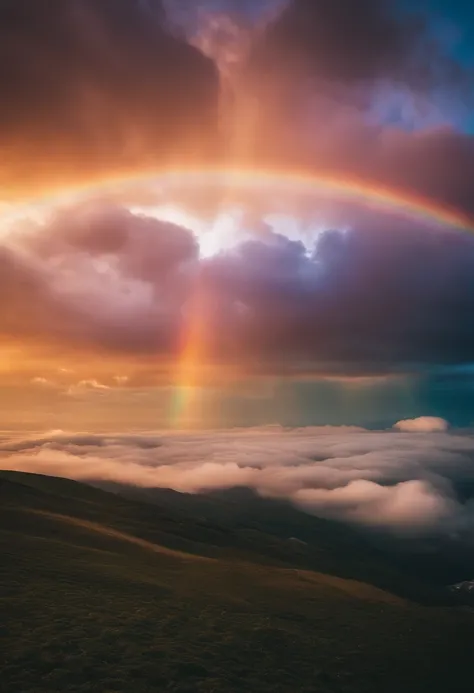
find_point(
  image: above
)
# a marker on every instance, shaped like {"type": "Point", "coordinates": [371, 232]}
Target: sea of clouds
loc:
{"type": "Point", "coordinates": [412, 480]}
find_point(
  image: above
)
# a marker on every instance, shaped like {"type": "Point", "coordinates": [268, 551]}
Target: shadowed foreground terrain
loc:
{"type": "Point", "coordinates": [103, 593]}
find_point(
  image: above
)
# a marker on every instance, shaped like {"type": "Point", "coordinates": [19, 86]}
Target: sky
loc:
{"type": "Point", "coordinates": [133, 300]}
{"type": "Point", "coordinates": [237, 249]}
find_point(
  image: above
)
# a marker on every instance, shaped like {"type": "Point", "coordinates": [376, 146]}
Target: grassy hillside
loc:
{"type": "Point", "coordinates": [411, 566]}
{"type": "Point", "coordinates": [100, 593]}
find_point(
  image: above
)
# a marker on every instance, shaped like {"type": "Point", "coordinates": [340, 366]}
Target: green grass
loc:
{"type": "Point", "coordinates": [91, 602]}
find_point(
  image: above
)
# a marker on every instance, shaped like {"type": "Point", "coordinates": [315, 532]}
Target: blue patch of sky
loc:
{"type": "Point", "coordinates": [452, 24]}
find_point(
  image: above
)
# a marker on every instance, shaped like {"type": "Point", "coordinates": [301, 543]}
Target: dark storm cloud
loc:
{"type": "Point", "coordinates": [86, 77]}
{"type": "Point", "coordinates": [365, 88]}
{"type": "Point", "coordinates": [348, 41]}
{"type": "Point", "coordinates": [436, 162]}
{"type": "Point", "coordinates": [102, 77]}
{"type": "Point", "coordinates": [89, 84]}
{"type": "Point", "coordinates": [382, 294]}
{"type": "Point", "coordinates": [385, 295]}
{"type": "Point", "coordinates": [346, 50]}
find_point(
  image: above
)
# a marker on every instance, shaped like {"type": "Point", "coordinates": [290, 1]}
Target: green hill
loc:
{"type": "Point", "coordinates": [103, 593]}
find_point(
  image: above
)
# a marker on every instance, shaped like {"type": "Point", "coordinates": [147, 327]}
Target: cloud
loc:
{"type": "Point", "coordinates": [366, 88]}
{"type": "Point", "coordinates": [96, 274]}
{"type": "Point", "coordinates": [346, 42]}
{"type": "Point", "coordinates": [383, 296]}
{"type": "Point", "coordinates": [410, 506]}
{"type": "Point", "coordinates": [322, 70]}
{"type": "Point", "coordinates": [72, 86]}
{"type": "Point", "coordinates": [84, 386]}
{"type": "Point", "coordinates": [42, 382]}
{"type": "Point", "coordinates": [402, 482]}
{"type": "Point", "coordinates": [423, 424]}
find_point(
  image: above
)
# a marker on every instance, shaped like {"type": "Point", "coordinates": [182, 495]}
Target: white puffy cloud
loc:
{"type": "Point", "coordinates": [121, 380]}
{"type": "Point", "coordinates": [87, 386]}
{"type": "Point", "coordinates": [409, 506]}
{"type": "Point", "coordinates": [42, 382]}
{"type": "Point", "coordinates": [423, 424]}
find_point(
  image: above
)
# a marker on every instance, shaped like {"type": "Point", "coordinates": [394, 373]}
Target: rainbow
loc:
{"type": "Point", "coordinates": [393, 201]}
{"type": "Point", "coordinates": [185, 402]}
{"type": "Point", "coordinates": [338, 187]}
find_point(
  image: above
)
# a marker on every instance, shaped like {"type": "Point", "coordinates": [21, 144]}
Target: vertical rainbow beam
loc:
{"type": "Point", "coordinates": [187, 404]}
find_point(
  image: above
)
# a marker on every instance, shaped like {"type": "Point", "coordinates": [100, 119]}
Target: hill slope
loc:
{"type": "Point", "coordinates": [417, 567]}
{"type": "Point", "coordinates": [103, 594]}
